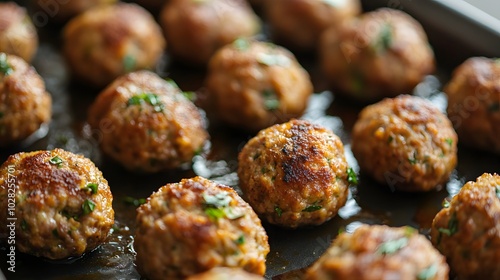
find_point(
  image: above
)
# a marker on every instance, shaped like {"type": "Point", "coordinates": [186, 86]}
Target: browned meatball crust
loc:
{"type": "Point", "coordinates": [63, 10]}
{"type": "Point", "coordinates": [190, 227]}
{"type": "Point", "coordinates": [474, 103]}
{"type": "Point", "coordinates": [63, 205]}
{"type": "Point", "coordinates": [467, 232]}
{"type": "Point", "coordinates": [253, 85]}
{"type": "Point", "coordinates": [225, 273]}
{"type": "Point", "coordinates": [380, 252]}
{"type": "Point", "coordinates": [17, 33]}
{"type": "Point", "coordinates": [294, 174]}
{"type": "Point", "coordinates": [383, 53]}
{"type": "Point", "coordinates": [146, 123]}
{"type": "Point", "coordinates": [406, 143]}
{"type": "Point", "coordinates": [24, 103]}
{"type": "Point", "coordinates": [106, 42]}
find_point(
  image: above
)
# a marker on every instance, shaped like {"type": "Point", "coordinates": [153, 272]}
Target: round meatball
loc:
{"type": "Point", "coordinates": [381, 54]}
{"type": "Point", "coordinates": [299, 24]}
{"type": "Point", "coordinates": [467, 232]}
{"type": "Point", "coordinates": [197, 29]}
{"type": "Point", "coordinates": [146, 123]}
{"type": "Point", "coordinates": [225, 273]}
{"type": "Point", "coordinates": [24, 103]}
{"type": "Point", "coordinates": [294, 174]}
{"type": "Point", "coordinates": [106, 42]}
{"type": "Point", "coordinates": [61, 11]}
{"type": "Point", "coordinates": [406, 143]}
{"type": "Point", "coordinates": [474, 103]}
{"type": "Point", "coordinates": [253, 85]}
{"type": "Point", "coordinates": [17, 33]}
{"type": "Point", "coordinates": [380, 252]}
{"type": "Point", "coordinates": [190, 227]}
{"type": "Point", "coordinates": [57, 203]}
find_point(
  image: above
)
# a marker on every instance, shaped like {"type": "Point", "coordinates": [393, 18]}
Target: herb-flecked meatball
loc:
{"type": "Point", "coordinates": [190, 227]}
{"type": "Point", "coordinates": [380, 252]}
{"type": "Point", "coordinates": [61, 203]}
{"type": "Point", "coordinates": [467, 231]}
{"type": "Point", "coordinates": [60, 11]}
{"type": "Point", "coordinates": [382, 53]}
{"type": "Point", "coordinates": [146, 123]}
{"type": "Point", "coordinates": [225, 273]}
{"type": "Point", "coordinates": [294, 174]}
{"type": "Point", "coordinates": [196, 29]}
{"type": "Point", "coordinates": [108, 41]}
{"type": "Point", "coordinates": [17, 33]}
{"type": "Point", "coordinates": [24, 103]}
{"type": "Point", "coordinates": [405, 143]}
{"type": "Point", "coordinates": [474, 103]}
{"type": "Point", "coordinates": [253, 85]}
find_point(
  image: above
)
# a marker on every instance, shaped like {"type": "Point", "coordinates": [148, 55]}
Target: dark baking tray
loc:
{"type": "Point", "coordinates": [455, 35]}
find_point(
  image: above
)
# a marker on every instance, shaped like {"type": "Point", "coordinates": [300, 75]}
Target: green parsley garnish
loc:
{"type": "Point", "coordinates": [278, 211]}
{"type": "Point", "coordinates": [171, 82]}
{"type": "Point", "coordinates": [217, 206]}
{"type": "Point", "coordinates": [134, 201]}
{"type": "Point", "coordinates": [57, 161]}
{"type": "Point", "coordinates": [191, 95]}
{"type": "Point", "coordinates": [240, 240]}
{"type": "Point", "coordinates": [497, 190]}
{"type": "Point", "coordinates": [384, 40]}
{"type": "Point", "coordinates": [5, 67]}
{"type": "Point", "coordinates": [271, 101]}
{"type": "Point", "coordinates": [428, 273]}
{"type": "Point", "coordinates": [128, 63]}
{"type": "Point", "coordinates": [312, 208]}
{"type": "Point", "coordinates": [449, 141]}
{"type": "Point", "coordinates": [445, 203]}
{"type": "Point", "coordinates": [150, 98]}
{"type": "Point", "coordinates": [241, 44]}
{"type": "Point", "coordinates": [352, 178]}
{"type": "Point", "coordinates": [391, 247]}
{"type": "Point", "coordinates": [92, 187]}
{"type": "Point", "coordinates": [216, 201]}
{"type": "Point", "coordinates": [215, 213]}
{"type": "Point", "coordinates": [452, 226]}
{"type": "Point", "coordinates": [390, 139]}
{"type": "Point", "coordinates": [413, 160]}
{"type": "Point", "coordinates": [88, 206]}
{"type": "Point", "coordinates": [273, 59]}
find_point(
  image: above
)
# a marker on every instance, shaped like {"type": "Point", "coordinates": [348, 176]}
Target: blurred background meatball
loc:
{"type": "Point", "coordinates": [195, 30]}
{"type": "Point", "coordinates": [474, 103]}
{"type": "Point", "coordinates": [382, 53]}
{"type": "Point", "coordinates": [467, 231]}
{"type": "Point", "coordinates": [17, 33]}
{"type": "Point", "coordinates": [225, 273]}
{"type": "Point", "coordinates": [380, 252]}
{"type": "Point", "coordinates": [63, 205]}
{"type": "Point", "coordinates": [405, 143]}
{"type": "Point", "coordinates": [24, 103]}
{"type": "Point", "coordinates": [294, 174]}
{"type": "Point", "coordinates": [154, 6]}
{"type": "Point", "coordinates": [105, 42]}
{"type": "Point", "coordinates": [146, 123]}
{"type": "Point", "coordinates": [190, 227]}
{"type": "Point", "coordinates": [252, 85]}
{"type": "Point", "coordinates": [60, 11]}
{"type": "Point", "coordinates": [298, 24]}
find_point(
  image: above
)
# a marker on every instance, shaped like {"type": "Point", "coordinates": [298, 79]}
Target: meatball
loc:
{"type": "Point", "coordinates": [197, 29]}
{"type": "Point", "coordinates": [106, 42]}
{"type": "Point", "coordinates": [406, 143]}
{"type": "Point", "coordinates": [61, 11]}
{"type": "Point", "coordinates": [146, 123]}
{"type": "Point", "coordinates": [300, 23]}
{"type": "Point", "coordinates": [253, 85]}
{"type": "Point", "coordinates": [383, 53]}
{"type": "Point", "coordinates": [17, 34]}
{"type": "Point", "coordinates": [294, 174]}
{"type": "Point", "coordinates": [474, 103]}
{"type": "Point", "coordinates": [24, 103]}
{"type": "Point", "coordinates": [190, 227]}
{"type": "Point", "coordinates": [467, 232]}
{"type": "Point", "coordinates": [62, 204]}
{"type": "Point", "coordinates": [380, 252]}
{"type": "Point", "coordinates": [225, 273]}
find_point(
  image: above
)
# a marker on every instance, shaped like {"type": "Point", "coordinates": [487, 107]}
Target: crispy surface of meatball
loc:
{"type": "Point", "coordinates": [468, 231]}
{"type": "Point", "coordinates": [63, 205]}
{"type": "Point", "coordinates": [190, 227]}
{"type": "Point", "coordinates": [17, 33]}
{"type": "Point", "coordinates": [253, 85]}
{"type": "Point", "coordinates": [382, 53]}
{"type": "Point", "coordinates": [146, 123]}
{"type": "Point", "coordinates": [405, 143]}
{"type": "Point", "coordinates": [474, 103]}
{"type": "Point", "coordinates": [24, 103]}
{"type": "Point", "coordinates": [106, 42]}
{"type": "Point", "coordinates": [225, 273]}
{"type": "Point", "coordinates": [196, 29]}
{"type": "Point", "coordinates": [298, 24]}
{"type": "Point", "coordinates": [60, 11]}
{"type": "Point", "coordinates": [380, 252]}
{"type": "Point", "coordinates": [294, 174]}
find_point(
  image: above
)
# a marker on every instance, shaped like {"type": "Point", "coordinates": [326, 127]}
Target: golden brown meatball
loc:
{"type": "Point", "coordinates": [192, 226]}
{"type": "Point", "coordinates": [17, 34]}
{"type": "Point", "coordinates": [380, 54]}
{"type": "Point", "coordinates": [225, 273]}
{"type": "Point", "coordinates": [24, 103]}
{"type": "Point", "coordinates": [253, 85]}
{"type": "Point", "coordinates": [298, 24]}
{"type": "Point", "coordinates": [474, 103]}
{"type": "Point", "coordinates": [60, 202]}
{"type": "Point", "coordinates": [61, 10]}
{"type": "Point", "coordinates": [380, 252]}
{"type": "Point", "coordinates": [294, 174]}
{"type": "Point", "coordinates": [467, 232]}
{"type": "Point", "coordinates": [146, 123]}
{"type": "Point", "coordinates": [406, 143]}
{"type": "Point", "coordinates": [196, 29]}
{"type": "Point", "coordinates": [106, 42]}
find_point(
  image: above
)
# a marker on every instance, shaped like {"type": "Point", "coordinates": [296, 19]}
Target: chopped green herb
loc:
{"type": "Point", "coordinates": [390, 139]}
{"type": "Point", "coordinates": [69, 215]}
{"type": "Point", "coordinates": [24, 225]}
{"type": "Point", "coordinates": [198, 151]}
{"type": "Point", "coordinates": [413, 160]}
{"type": "Point", "coordinates": [445, 203]}
{"type": "Point", "coordinates": [92, 187]}
{"type": "Point", "coordinates": [57, 161]}
{"type": "Point", "coordinates": [428, 273]}
{"type": "Point", "coordinates": [233, 213]}
{"type": "Point", "coordinates": [497, 190]}
{"type": "Point", "coordinates": [271, 101]}
{"type": "Point", "coordinates": [241, 44]}
{"type": "Point", "coordinates": [449, 141]}
{"type": "Point", "coordinates": [88, 206]}
{"type": "Point", "coordinates": [171, 82]}
{"type": "Point", "coordinates": [273, 59]}
{"type": "Point", "coordinates": [240, 240]}
{"type": "Point", "coordinates": [384, 40]}
{"type": "Point", "coordinates": [150, 98]}
{"type": "Point", "coordinates": [215, 213]}
{"type": "Point", "coordinates": [5, 67]}
{"type": "Point", "coordinates": [391, 247]}
{"type": "Point", "coordinates": [352, 178]}
{"type": "Point", "coordinates": [495, 107]}
{"type": "Point", "coordinates": [191, 95]}
{"type": "Point", "coordinates": [452, 226]}
{"type": "Point", "coordinates": [55, 233]}
{"type": "Point", "coordinates": [278, 211]}
{"type": "Point", "coordinates": [409, 231]}
{"type": "Point", "coordinates": [219, 200]}
{"type": "Point", "coordinates": [312, 208]}
{"type": "Point", "coordinates": [134, 201]}
{"type": "Point", "coordinates": [217, 206]}
{"type": "Point", "coordinates": [128, 63]}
